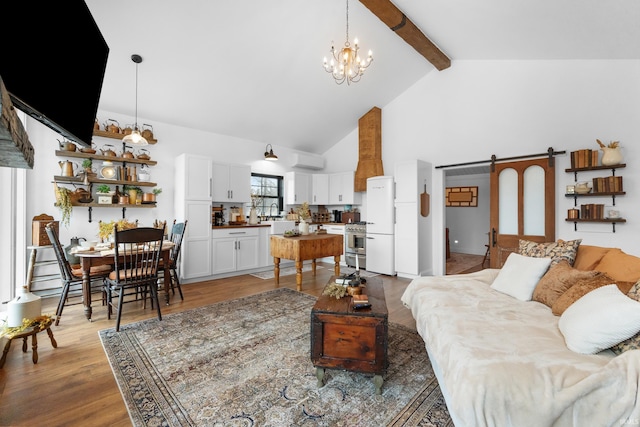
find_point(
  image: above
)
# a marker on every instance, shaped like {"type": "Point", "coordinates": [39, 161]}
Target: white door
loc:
{"type": "Point", "coordinates": [380, 256]}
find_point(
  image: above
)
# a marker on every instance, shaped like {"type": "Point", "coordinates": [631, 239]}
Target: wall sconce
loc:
{"type": "Point", "coordinates": [268, 154]}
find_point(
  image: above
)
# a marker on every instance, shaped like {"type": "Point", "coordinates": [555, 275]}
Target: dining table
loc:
{"type": "Point", "coordinates": [91, 258]}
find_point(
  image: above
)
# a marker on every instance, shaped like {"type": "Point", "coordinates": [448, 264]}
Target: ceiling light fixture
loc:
{"type": "Point", "coordinates": [346, 64]}
{"type": "Point", "coordinates": [268, 154]}
{"type": "Point", "coordinates": [135, 137]}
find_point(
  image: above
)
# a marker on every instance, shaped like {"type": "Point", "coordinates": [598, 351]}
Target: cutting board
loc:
{"type": "Point", "coordinates": [424, 202]}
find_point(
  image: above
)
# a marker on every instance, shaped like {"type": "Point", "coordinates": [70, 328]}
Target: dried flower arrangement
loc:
{"type": "Point", "coordinates": [105, 229]}
{"type": "Point", "coordinates": [303, 211]}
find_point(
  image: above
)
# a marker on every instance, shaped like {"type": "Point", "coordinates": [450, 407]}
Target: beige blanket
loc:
{"type": "Point", "coordinates": [504, 362]}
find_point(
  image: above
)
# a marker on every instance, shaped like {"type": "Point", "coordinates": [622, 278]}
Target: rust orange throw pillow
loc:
{"type": "Point", "coordinates": [620, 266]}
{"type": "Point", "coordinates": [557, 280]}
{"type": "Point", "coordinates": [588, 256]}
{"type": "Point", "coordinates": [579, 290]}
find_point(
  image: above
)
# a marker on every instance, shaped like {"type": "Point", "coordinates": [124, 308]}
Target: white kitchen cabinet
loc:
{"type": "Point", "coordinates": [406, 243]}
{"type": "Point", "coordinates": [192, 202]}
{"type": "Point", "coordinates": [297, 188]}
{"type": "Point", "coordinates": [234, 249]}
{"type": "Point", "coordinates": [341, 189]}
{"type": "Point", "coordinates": [319, 189]}
{"type": "Point", "coordinates": [412, 237]}
{"type": "Point", "coordinates": [193, 177]}
{"type": "Point", "coordinates": [196, 244]}
{"type": "Point", "coordinates": [231, 183]}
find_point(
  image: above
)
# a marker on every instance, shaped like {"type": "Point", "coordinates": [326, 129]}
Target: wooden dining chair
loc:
{"type": "Point", "coordinates": [137, 254]}
{"type": "Point", "coordinates": [72, 277]}
{"type": "Point", "coordinates": [177, 234]}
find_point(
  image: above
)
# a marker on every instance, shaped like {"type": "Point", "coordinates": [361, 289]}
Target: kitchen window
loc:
{"type": "Point", "coordinates": [267, 192]}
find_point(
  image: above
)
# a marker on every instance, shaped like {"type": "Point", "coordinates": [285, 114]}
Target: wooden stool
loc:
{"type": "Point", "coordinates": [29, 332]}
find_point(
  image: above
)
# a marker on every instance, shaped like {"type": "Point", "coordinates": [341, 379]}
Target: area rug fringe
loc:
{"type": "Point", "coordinates": [246, 362]}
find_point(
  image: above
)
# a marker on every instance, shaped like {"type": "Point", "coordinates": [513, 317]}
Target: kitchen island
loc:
{"type": "Point", "coordinates": [301, 248]}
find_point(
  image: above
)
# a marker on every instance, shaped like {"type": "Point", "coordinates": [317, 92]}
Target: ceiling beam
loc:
{"type": "Point", "coordinates": [402, 26]}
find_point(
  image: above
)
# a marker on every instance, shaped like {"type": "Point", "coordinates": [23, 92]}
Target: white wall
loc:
{"type": "Point", "coordinates": [508, 108]}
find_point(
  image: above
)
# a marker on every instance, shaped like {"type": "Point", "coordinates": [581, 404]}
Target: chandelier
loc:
{"type": "Point", "coordinates": [346, 64]}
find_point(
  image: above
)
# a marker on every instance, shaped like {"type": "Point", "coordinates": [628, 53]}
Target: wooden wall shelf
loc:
{"type": "Point", "coordinates": [80, 155]}
{"type": "Point", "coordinates": [113, 135]}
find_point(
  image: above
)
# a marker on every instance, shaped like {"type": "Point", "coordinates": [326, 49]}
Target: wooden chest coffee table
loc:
{"type": "Point", "coordinates": [354, 340]}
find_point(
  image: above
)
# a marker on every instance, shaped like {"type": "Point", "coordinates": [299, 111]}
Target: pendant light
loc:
{"type": "Point", "coordinates": [135, 138]}
{"type": "Point", "coordinates": [268, 153]}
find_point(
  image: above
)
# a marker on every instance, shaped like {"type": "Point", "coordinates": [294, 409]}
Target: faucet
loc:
{"type": "Point", "coordinates": [270, 207]}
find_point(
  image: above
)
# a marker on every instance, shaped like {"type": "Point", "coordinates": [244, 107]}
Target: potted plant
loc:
{"type": "Point", "coordinates": [105, 194]}
{"type": "Point", "coordinates": [63, 201]}
{"type": "Point", "coordinates": [86, 165]}
{"type": "Point", "coordinates": [133, 191]}
{"type": "Point", "coordinates": [151, 197]}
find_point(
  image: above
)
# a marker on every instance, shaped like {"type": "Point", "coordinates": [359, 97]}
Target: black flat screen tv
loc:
{"type": "Point", "coordinates": [52, 62]}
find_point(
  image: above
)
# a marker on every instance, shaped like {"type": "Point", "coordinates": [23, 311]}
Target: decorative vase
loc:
{"type": "Point", "coordinates": [253, 216]}
{"type": "Point", "coordinates": [303, 227]}
{"type": "Point", "coordinates": [24, 306]}
{"type": "Point", "coordinates": [611, 156]}
{"type": "Point", "coordinates": [133, 195]}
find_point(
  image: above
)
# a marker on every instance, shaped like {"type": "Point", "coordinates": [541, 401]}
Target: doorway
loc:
{"type": "Point", "coordinates": [468, 226]}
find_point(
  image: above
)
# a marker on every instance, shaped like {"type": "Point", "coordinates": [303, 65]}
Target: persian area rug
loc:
{"type": "Point", "coordinates": [286, 271]}
{"type": "Point", "coordinates": [246, 362]}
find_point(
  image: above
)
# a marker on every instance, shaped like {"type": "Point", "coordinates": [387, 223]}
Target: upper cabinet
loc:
{"type": "Point", "coordinates": [199, 178]}
{"type": "Point", "coordinates": [341, 189]}
{"type": "Point", "coordinates": [319, 189]}
{"type": "Point", "coordinates": [231, 183]}
{"type": "Point", "coordinates": [193, 176]}
{"type": "Point", "coordinates": [297, 188]}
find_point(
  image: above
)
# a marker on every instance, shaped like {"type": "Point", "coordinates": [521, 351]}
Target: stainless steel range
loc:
{"type": "Point", "coordinates": [356, 238]}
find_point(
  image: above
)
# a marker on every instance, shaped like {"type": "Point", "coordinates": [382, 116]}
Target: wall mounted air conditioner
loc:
{"type": "Point", "coordinates": [308, 161]}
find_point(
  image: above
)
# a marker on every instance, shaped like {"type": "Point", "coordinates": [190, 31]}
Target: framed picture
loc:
{"type": "Point", "coordinates": [462, 197]}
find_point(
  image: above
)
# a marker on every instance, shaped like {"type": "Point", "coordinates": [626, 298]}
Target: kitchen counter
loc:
{"type": "Point", "coordinates": [225, 227]}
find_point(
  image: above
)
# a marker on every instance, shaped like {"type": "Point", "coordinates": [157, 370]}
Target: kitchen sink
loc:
{"type": "Point", "coordinates": [279, 227]}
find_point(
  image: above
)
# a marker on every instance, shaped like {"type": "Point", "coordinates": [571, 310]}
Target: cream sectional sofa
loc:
{"type": "Point", "coordinates": [503, 358]}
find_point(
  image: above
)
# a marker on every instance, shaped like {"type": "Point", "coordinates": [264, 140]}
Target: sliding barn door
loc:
{"type": "Point", "coordinates": [522, 206]}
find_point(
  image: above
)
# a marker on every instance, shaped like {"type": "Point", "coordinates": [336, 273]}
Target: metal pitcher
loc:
{"type": "Point", "coordinates": [67, 168]}
{"type": "Point", "coordinates": [75, 241]}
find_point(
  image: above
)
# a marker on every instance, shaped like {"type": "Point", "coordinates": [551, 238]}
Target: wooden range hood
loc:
{"type": "Point", "coordinates": [369, 148]}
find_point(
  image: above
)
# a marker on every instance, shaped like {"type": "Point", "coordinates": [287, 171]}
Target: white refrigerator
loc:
{"type": "Point", "coordinates": [380, 225]}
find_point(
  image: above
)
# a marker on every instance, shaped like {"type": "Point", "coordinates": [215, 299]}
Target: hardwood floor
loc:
{"type": "Point", "coordinates": [460, 263]}
{"type": "Point", "coordinates": [73, 385]}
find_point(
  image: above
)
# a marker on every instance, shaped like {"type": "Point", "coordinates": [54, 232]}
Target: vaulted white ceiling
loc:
{"type": "Point", "coordinates": [253, 68]}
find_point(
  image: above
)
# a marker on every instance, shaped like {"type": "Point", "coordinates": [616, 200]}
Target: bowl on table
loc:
{"type": "Point", "coordinates": [86, 244]}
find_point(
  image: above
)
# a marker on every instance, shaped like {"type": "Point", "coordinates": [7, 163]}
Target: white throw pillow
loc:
{"type": "Point", "coordinates": [519, 275]}
{"type": "Point", "coordinates": [602, 318]}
